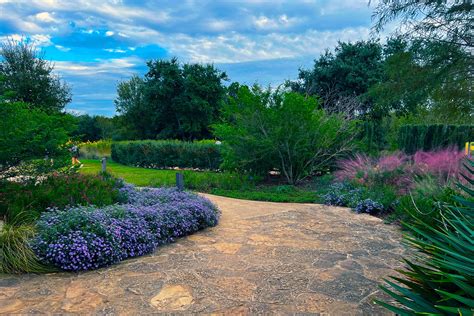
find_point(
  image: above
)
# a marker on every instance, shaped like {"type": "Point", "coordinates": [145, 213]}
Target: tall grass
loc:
{"type": "Point", "coordinates": [95, 150]}
{"type": "Point", "coordinates": [16, 256]}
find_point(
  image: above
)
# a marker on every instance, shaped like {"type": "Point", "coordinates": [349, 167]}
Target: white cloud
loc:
{"type": "Point", "coordinates": [45, 17]}
{"type": "Point", "coordinates": [109, 33]}
{"type": "Point", "coordinates": [112, 66]}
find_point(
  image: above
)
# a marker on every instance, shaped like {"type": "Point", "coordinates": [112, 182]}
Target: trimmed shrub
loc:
{"type": "Point", "coordinates": [85, 238]}
{"type": "Point", "coordinates": [433, 137]}
{"type": "Point", "coordinates": [25, 202]}
{"type": "Point", "coordinates": [168, 154]}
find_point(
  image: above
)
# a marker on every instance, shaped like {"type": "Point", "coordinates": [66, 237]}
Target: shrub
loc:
{"type": "Point", "coordinates": [85, 238]}
{"type": "Point", "coordinates": [266, 131]}
{"type": "Point", "coordinates": [399, 170]}
{"type": "Point", "coordinates": [96, 150]}
{"type": "Point", "coordinates": [25, 202]}
{"type": "Point", "coordinates": [361, 199]}
{"type": "Point", "coordinates": [16, 256]}
{"type": "Point", "coordinates": [369, 206]}
{"type": "Point", "coordinates": [412, 138]}
{"type": "Point", "coordinates": [438, 280]}
{"type": "Point", "coordinates": [168, 154]}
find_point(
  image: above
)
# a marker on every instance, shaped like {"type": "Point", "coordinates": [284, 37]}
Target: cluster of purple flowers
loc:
{"type": "Point", "coordinates": [342, 194]}
{"type": "Point", "coordinates": [369, 206]}
{"type": "Point", "coordinates": [85, 238]}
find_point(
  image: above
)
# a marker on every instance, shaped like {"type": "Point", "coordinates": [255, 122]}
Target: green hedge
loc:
{"type": "Point", "coordinates": [429, 137]}
{"type": "Point", "coordinates": [168, 153]}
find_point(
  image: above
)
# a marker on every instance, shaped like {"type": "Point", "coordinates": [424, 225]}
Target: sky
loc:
{"type": "Point", "coordinates": [96, 44]}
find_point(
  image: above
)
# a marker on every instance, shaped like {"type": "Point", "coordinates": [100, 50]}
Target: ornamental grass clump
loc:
{"type": "Point", "coordinates": [86, 238]}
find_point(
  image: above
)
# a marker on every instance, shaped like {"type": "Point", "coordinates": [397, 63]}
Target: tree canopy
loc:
{"type": "Point", "coordinates": [173, 100]}
{"type": "Point", "coordinates": [29, 78]}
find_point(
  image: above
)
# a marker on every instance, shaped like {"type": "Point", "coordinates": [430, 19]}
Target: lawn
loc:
{"type": "Point", "coordinates": [219, 183]}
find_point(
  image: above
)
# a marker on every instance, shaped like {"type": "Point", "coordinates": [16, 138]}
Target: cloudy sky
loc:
{"type": "Point", "coordinates": [95, 44]}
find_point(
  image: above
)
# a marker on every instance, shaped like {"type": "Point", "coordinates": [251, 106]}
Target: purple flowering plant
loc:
{"type": "Point", "coordinates": [86, 238]}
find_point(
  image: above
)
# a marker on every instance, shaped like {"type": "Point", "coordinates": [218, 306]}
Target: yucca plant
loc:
{"type": "Point", "coordinates": [439, 279]}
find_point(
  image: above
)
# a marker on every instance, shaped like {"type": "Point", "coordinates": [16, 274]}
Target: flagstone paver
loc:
{"type": "Point", "coordinates": [262, 258]}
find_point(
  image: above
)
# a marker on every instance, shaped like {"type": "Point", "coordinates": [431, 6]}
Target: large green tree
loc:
{"type": "Point", "coordinates": [29, 78]}
{"type": "Point", "coordinates": [173, 100]}
{"type": "Point", "coordinates": [343, 77]}
{"type": "Point", "coordinates": [284, 131]}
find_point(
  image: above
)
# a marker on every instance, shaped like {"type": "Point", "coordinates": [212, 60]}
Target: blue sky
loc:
{"type": "Point", "coordinates": [96, 44]}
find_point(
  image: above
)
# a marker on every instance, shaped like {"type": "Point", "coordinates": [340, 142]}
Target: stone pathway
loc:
{"type": "Point", "coordinates": [262, 258]}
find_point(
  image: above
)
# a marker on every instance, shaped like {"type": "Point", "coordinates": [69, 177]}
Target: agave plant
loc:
{"type": "Point", "coordinates": [439, 280]}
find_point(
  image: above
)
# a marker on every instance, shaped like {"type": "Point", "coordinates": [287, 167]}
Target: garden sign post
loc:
{"type": "Point", "coordinates": [180, 181]}
{"type": "Point", "coordinates": [104, 164]}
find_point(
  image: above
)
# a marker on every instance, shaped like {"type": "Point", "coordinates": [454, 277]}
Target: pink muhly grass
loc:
{"type": "Point", "coordinates": [392, 162]}
{"type": "Point", "coordinates": [445, 163]}
{"type": "Point", "coordinates": [350, 169]}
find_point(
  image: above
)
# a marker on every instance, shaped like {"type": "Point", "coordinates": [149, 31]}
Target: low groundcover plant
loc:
{"type": "Point", "coordinates": [86, 237]}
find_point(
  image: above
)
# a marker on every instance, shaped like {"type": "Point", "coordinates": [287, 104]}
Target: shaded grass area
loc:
{"type": "Point", "coordinates": [218, 183]}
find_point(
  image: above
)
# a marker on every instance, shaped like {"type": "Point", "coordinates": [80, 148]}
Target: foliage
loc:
{"type": "Point", "coordinates": [432, 137]}
{"type": "Point", "coordinates": [24, 203]}
{"type": "Point", "coordinates": [285, 193]}
{"type": "Point", "coordinates": [424, 202]}
{"type": "Point", "coordinates": [95, 128]}
{"type": "Point", "coordinates": [343, 78]}
{"type": "Point", "coordinates": [400, 170]}
{"type": "Point", "coordinates": [85, 238]}
{"type": "Point", "coordinates": [427, 77]}
{"type": "Point", "coordinates": [439, 279]}
{"type": "Point", "coordinates": [374, 200]}
{"type": "Point", "coordinates": [454, 19]}
{"type": "Point", "coordinates": [386, 170]}
{"type": "Point", "coordinates": [172, 101]}
{"type": "Point", "coordinates": [29, 78]}
{"type": "Point", "coordinates": [96, 150]}
{"type": "Point", "coordinates": [260, 134]}
{"type": "Point", "coordinates": [16, 256]}
{"type": "Point", "coordinates": [168, 153]}
{"type": "Point", "coordinates": [29, 135]}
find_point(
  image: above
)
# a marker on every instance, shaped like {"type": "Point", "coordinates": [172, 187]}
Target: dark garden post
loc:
{"type": "Point", "coordinates": [104, 164]}
{"type": "Point", "coordinates": [180, 181]}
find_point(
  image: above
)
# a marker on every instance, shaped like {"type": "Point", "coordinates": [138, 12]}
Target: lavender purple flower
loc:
{"type": "Point", "coordinates": [86, 238]}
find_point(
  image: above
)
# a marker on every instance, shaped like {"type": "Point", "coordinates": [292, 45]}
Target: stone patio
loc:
{"type": "Point", "coordinates": [262, 258]}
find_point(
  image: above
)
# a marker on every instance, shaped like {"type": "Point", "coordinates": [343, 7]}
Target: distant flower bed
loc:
{"type": "Point", "coordinates": [396, 182]}
{"type": "Point", "coordinates": [86, 238]}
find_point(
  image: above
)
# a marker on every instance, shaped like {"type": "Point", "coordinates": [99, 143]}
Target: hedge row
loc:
{"type": "Point", "coordinates": [168, 154]}
{"type": "Point", "coordinates": [430, 137]}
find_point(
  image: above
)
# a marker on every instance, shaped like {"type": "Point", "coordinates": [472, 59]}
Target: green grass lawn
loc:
{"type": "Point", "coordinates": [219, 183]}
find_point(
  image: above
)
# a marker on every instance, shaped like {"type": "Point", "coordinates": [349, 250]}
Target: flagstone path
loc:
{"type": "Point", "coordinates": [262, 258]}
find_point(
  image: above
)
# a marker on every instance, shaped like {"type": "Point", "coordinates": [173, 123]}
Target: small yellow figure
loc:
{"type": "Point", "coordinates": [469, 148]}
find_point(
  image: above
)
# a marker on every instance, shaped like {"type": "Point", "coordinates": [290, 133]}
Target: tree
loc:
{"type": "Point", "coordinates": [450, 22]}
{"type": "Point", "coordinates": [266, 130]}
{"type": "Point", "coordinates": [425, 76]}
{"type": "Point", "coordinates": [27, 136]}
{"type": "Point", "coordinates": [29, 78]}
{"type": "Point", "coordinates": [172, 101]}
{"type": "Point", "coordinates": [343, 78]}
{"type": "Point", "coordinates": [441, 37]}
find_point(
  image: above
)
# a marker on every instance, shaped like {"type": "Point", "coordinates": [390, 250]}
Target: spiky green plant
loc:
{"type": "Point", "coordinates": [439, 280]}
{"type": "Point", "coordinates": [16, 256]}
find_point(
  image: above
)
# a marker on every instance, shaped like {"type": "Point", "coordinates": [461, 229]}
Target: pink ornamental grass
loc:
{"type": "Point", "coordinates": [445, 163]}
{"type": "Point", "coordinates": [357, 167]}
{"type": "Point", "coordinates": [392, 162]}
